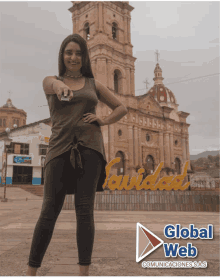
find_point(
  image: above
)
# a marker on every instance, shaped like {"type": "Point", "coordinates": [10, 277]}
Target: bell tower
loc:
{"type": "Point", "coordinates": [106, 27]}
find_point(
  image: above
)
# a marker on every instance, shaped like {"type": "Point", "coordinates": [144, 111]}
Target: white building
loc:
{"type": "Point", "coordinates": [27, 151]}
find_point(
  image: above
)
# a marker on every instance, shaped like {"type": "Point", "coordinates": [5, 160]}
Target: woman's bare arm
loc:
{"type": "Point", "coordinates": [48, 84]}
{"type": "Point", "coordinates": [107, 97]}
{"type": "Point", "coordinates": [53, 86]}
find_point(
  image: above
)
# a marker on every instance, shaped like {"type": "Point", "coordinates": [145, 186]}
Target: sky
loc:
{"type": "Point", "coordinates": [186, 34]}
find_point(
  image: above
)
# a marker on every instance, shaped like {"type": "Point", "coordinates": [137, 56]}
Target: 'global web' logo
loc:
{"type": "Point", "coordinates": [147, 242]}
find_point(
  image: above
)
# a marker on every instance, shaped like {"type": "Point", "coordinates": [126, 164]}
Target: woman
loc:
{"type": "Point", "coordinates": [75, 162]}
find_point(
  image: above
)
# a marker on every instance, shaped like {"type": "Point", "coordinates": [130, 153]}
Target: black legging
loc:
{"type": "Point", "coordinates": [54, 195]}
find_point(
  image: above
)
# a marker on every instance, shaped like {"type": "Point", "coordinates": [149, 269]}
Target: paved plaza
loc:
{"type": "Point", "coordinates": [114, 252]}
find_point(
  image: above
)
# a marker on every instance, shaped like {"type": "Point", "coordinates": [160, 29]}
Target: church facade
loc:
{"type": "Point", "coordinates": [153, 130]}
{"type": "Point", "coordinates": [11, 117]}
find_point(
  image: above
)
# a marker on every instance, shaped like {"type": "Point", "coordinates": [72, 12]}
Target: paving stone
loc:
{"type": "Point", "coordinates": [60, 240]}
{"type": "Point", "coordinates": [60, 274]}
{"type": "Point", "coordinates": [4, 248]}
{"type": "Point", "coordinates": [69, 254]}
{"type": "Point", "coordinates": [126, 254]}
{"type": "Point", "coordinates": [104, 253]}
{"type": "Point", "coordinates": [8, 243]}
{"type": "Point", "coordinates": [66, 260]}
{"type": "Point", "coordinates": [66, 269]}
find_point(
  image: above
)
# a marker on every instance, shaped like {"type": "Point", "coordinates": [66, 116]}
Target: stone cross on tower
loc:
{"type": "Point", "coordinates": [157, 54]}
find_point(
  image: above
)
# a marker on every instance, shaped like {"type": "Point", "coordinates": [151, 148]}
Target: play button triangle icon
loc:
{"type": "Point", "coordinates": [146, 242]}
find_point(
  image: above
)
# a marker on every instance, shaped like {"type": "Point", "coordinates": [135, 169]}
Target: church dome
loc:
{"type": "Point", "coordinates": [161, 93]}
{"type": "Point", "coordinates": [11, 117]}
{"type": "Point", "coordinates": [8, 104]}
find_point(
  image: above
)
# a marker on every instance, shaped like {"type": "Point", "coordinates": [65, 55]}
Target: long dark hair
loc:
{"type": "Point", "coordinates": [86, 69]}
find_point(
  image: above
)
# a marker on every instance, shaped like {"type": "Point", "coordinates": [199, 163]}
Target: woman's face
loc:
{"type": "Point", "coordinates": [72, 57]}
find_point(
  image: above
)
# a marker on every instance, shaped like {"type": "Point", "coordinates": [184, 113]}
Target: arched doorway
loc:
{"type": "Point", "coordinates": [149, 165]}
{"type": "Point", "coordinates": [121, 165]}
{"type": "Point", "coordinates": [177, 165]}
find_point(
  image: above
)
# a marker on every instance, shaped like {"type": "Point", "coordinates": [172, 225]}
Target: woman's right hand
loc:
{"type": "Point", "coordinates": [62, 89]}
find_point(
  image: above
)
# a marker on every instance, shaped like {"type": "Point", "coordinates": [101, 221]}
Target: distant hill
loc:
{"type": "Point", "coordinates": [203, 154]}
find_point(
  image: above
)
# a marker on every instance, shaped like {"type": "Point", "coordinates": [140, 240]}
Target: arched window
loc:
{"type": "Point", "coordinates": [121, 165]}
{"type": "Point", "coordinates": [147, 137]}
{"type": "Point", "coordinates": [87, 31]}
{"type": "Point", "coordinates": [16, 122]}
{"type": "Point", "coordinates": [116, 82]}
{"type": "Point", "coordinates": [149, 165]}
{"type": "Point", "coordinates": [119, 132]}
{"type": "Point", "coordinates": [177, 166]}
{"type": "Point", "coordinates": [114, 30]}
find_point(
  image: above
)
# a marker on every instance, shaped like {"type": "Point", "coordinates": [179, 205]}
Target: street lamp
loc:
{"type": "Point", "coordinates": [7, 142]}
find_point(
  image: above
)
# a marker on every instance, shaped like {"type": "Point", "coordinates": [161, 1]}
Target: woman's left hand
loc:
{"type": "Point", "coordinates": [90, 117]}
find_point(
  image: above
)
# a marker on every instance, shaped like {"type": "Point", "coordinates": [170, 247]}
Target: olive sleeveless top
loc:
{"type": "Point", "coordinates": [69, 130]}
